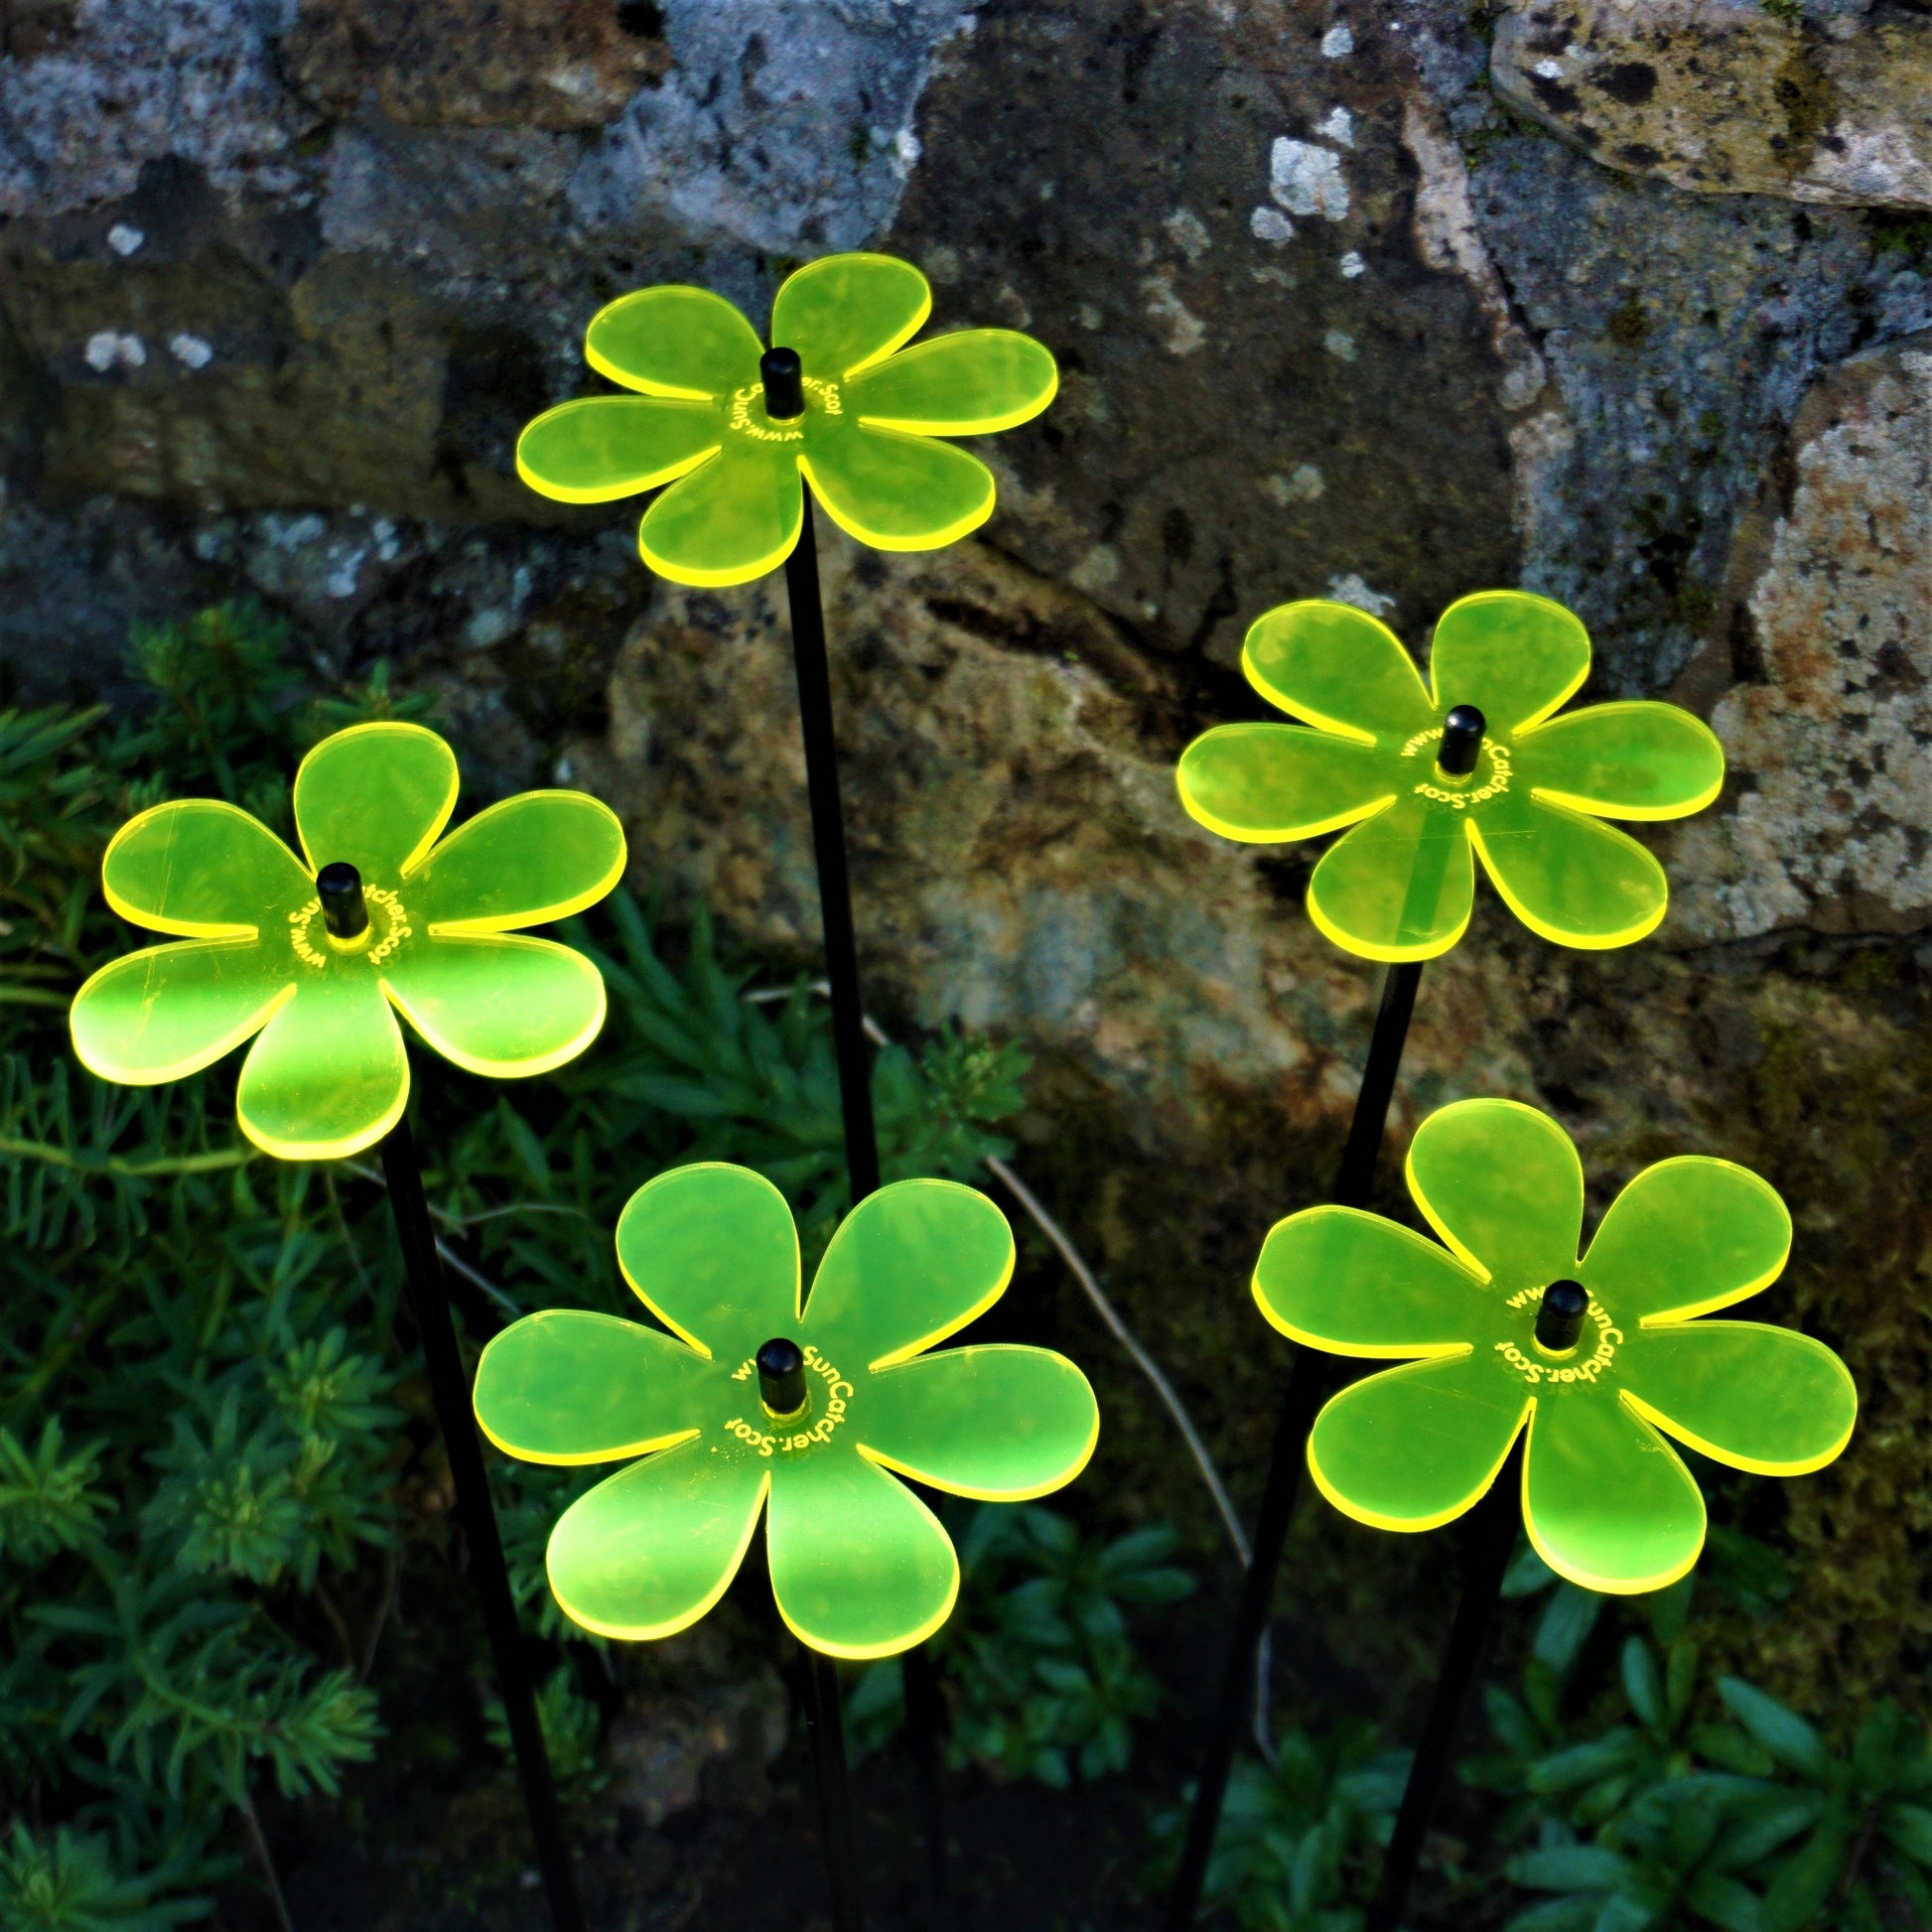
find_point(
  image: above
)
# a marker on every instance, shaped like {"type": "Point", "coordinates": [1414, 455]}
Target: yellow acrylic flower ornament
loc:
{"type": "Point", "coordinates": [1598, 1358]}
{"type": "Point", "coordinates": [838, 401]}
{"type": "Point", "coordinates": [754, 1397]}
{"type": "Point", "coordinates": [1476, 763]}
{"type": "Point", "coordinates": [307, 957]}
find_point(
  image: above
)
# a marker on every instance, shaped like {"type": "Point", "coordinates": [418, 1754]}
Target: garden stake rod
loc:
{"type": "Point", "coordinates": [826, 1731]}
{"type": "Point", "coordinates": [430, 1304]}
{"type": "Point", "coordinates": [1490, 1539]}
{"type": "Point", "coordinates": [1309, 1382]}
{"type": "Point", "coordinates": [784, 399]}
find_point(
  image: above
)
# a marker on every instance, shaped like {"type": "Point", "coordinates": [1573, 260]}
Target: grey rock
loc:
{"type": "Point", "coordinates": [1728, 96]}
{"type": "Point", "coordinates": [1825, 662]}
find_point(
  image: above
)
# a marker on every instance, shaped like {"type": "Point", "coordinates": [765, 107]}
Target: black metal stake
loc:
{"type": "Point", "coordinates": [1488, 1542]}
{"type": "Point", "coordinates": [1309, 1382]}
{"type": "Point", "coordinates": [489, 1575]}
{"type": "Point", "coordinates": [784, 399]}
{"type": "Point", "coordinates": [826, 1731]}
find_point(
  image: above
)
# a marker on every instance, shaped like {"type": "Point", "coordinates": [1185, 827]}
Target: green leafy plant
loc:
{"type": "Point", "coordinates": [1296, 1848]}
{"type": "Point", "coordinates": [1039, 1662]}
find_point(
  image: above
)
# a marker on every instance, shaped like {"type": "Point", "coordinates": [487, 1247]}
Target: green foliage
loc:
{"type": "Point", "coordinates": [1670, 1806]}
{"type": "Point", "coordinates": [212, 1430]}
{"type": "Point", "coordinates": [1038, 1661]}
{"type": "Point", "coordinates": [1298, 1839]}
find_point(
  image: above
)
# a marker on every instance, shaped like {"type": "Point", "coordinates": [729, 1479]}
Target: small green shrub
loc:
{"type": "Point", "coordinates": [209, 1415]}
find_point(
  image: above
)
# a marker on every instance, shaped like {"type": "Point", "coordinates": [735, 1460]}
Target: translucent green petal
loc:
{"type": "Point", "coordinates": [1001, 1422]}
{"type": "Point", "coordinates": [1266, 783]}
{"type": "Point", "coordinates": [170, 1010]}
{"type": "Point", "coordinates": [1623, 761]}
{"type": "Point", "coordinates": [729, 523]}
{"type": "Point", "coordinates": [1570, 878]}
{"type": "Point", "coordinates": [374, 796]}
{"type": "Point", "coordinates": [653, 1548]}
{"type": "Point", "coordinates": [909, 1266]}
{"type": "Point", "coordinates": [711, 1251]}
{"type": "Point", "coordinates": [202, 868]}
{"type": "Point", "coordinates": [860, 1566]}
{"type": "Point", "coordinates": [542, 854]}
{"type": "Point", "coordinates": [899, 492]}
{"type": "Point", "coordinates": [1339, 1279]}
{"type": "Point", "coordinates": [568, 1386]}
{"type": "Point", "coordinates": [673, 341]}
{"type": "Point", "coordinates": [1606, 1499]}
{"type": "Point", "coordinates": [1415, 1447]}
{"type": "Point", "coordinates": [1764, 1398]}
{"type": "Point", "coordinates": [844, 313]}
{"type": "Point", "coordinates": [967, 384]}
{"type": "Point", "coordinates": [1400, 886]}
{"type": "Point", "coordinates": [1687, 1236]}
{"type": "Point", "coordinates": [327, 1075]}
{"type": "Point", "coordinates": [1501, 1184]}
{"type": "Point", "coordinates": [600, 447]}
{"type": "Point", "coordinates": [1337, 667]}
{"type": "Point", "coordinates": [1514, 656]}
{"type": "Point", "coordinates": [502, 1007]}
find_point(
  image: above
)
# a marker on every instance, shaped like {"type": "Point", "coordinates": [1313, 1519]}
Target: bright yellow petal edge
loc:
{"type": "Point", "coordinates": [907, 1640]}
{"type": "Point", "coordinates": [951, 1327]}
{"type": "Point", "coordinates": [1413, 1525]}
{"type": "Point", "coordinates": [649, 1632]}
{"type": "Point", "coordinates": [717, 580]}
{"type": "Point", "coordinates": [103, 1069]}
{"type": "Point", "coordinates": [384, 728]}
{"type": "Point", "coordinates": [516, 1069]}
{"type": "Point", "coordinates": [564, 909]}
{"type": "Point", "coordinates": [155, 922]}
{"type": "Point", "coordinates": [1575, 941]}
{"type": "Point", "coordinates": [1070, 1474]}
{"type": "Point", "coordinates": [934, 540]}
{"type": "Point", "coordinates": [1385, 955]}
{"type": "Point", "coordinates": [336, 1150]}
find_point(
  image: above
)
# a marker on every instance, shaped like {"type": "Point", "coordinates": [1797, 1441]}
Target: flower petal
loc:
{"type": "Point", "coordinates": [203, 869]}
{"type": "Point", "coordinates": [1623, 761]}
{"type": "Point", "coordinates": [1400, 886]}
{"type": "Point", "coordinates": [1415, 1447]}
{"type": "Point", "coordinates": [730, 521]}
{"type": "Point", "coordinates": [1514, 656]}
{"type": "Point", "coordinates": [1606, 1499]}
{"type": "Point", "coordinates": [966, 385]}
{"type": "Point", "coordinates": [542, 854]}
{"type": "Point", "coordinates": [650, 1550]}
{"type": "Point", "coordinates": [899, 492]}
{"type": "Point", "coordinates": [1337, 667]}
{"type": "Point", "coordinates": [1267, 783]}
{"type": "Point", "coordinates": [844, 313]}
{"type": "Point", "coordinates": [910, 1264]}
{"type": "Point", "coordinates": [1685, 1237]}
{"type": "Point", "coordinates": [1339, 1279]}
{"type": "Point", "coordinates": [860, 1566]}
{"type": "Point", "coordinates": [167, 1012]}
{"type": "Point", "coordinates": [600, 447]}
{"type": "Point", "coordinates": [712, 1252]}
{"type": "Point", "coordinates": [1001, 1422]}
{"type": "Point", "coordinates": [501, 1007]}
{"type": "Point", "coordinates": [673, 341]}
{"type": "Point", "coordinates": [1760, 1398]}
{"type": "Point", "coordinates": [376, 796]}
{"type": "Point", "coordinates": [327, 1075]}
{"type": "Point", "coordinates": [1501, 1184]}
{"type": "Point", "coordinates": [1571, 878]}
{"type": "Point", "coordinates": [568, 1386]}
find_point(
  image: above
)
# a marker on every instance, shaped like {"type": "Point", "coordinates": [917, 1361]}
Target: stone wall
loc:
{"type": "Point", "coordinates": [1628, 303]}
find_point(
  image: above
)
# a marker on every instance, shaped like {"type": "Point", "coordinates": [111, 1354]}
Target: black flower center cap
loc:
{"type": "Point", "coordinates": [1462, 731]}
{"type": "Point", "coordinates": [783, 374]}
{"type": "Point", "coordinates": [782, 1378]}
{"type": "Point", "coordinates": [1560, 1317]}
{"type": "Point", "coordinates": [340, 887]}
